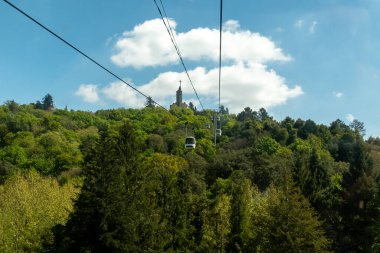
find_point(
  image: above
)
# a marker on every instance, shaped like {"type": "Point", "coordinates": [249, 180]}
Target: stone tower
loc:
{"type": "Point", "coordinates": [178, 101]}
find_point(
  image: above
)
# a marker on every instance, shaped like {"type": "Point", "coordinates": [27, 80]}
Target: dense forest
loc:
{"type": "Point", "coordinates": [121, 180]}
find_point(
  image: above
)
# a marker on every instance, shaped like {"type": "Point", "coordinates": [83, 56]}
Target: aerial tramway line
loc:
{"type": "Point", "coordinates": [190, 141]}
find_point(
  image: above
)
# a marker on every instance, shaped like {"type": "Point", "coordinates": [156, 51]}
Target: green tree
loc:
{"type": "Point", "coordinates": [105, 212]}
{"type": "Point", "coordinates": [216, 224]}
{"type": "Point", "coordinates": [150, 103]}
{"type": "Point", "coordinates": [170, 231]}
{"type": "Point", "coordinates": [246, 114]}
{"type": "Point", "coordinates": [242, 231]}
{"type": "Point", "coordinates": [6, 170]}
{"type": "Point", "coordinates": [47, 102]}
{"type": "Point", "coordinates": [263, 114]}
{"type": "Point", "coordinates": [338, 127]}
{"type": "Point", "coordinates": [38, 105]}
{"type": "Point", "coordinates": [266, 145]}
{"type": "Point", "coordinates": [30, 206]}
{"type": "Point", "coordinates": [358, 214]}
{"type": "Point", "coordinates": [285, 222]}
{"type": "Point", "coordinates": [192, 107]}
{"type": "Point", "coordinates": [308, 128]}
{"type": "Point", "coordinates": [12, 106]}
{"type": "Point", "coordinates": [358, 127]}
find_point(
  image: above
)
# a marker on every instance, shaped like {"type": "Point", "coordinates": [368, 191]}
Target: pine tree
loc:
{"type": "Point", "coordinates": [242, 200]}
{"type": "Point", "coordinates": [357, 213]}
{"type": "Point", "coordinates": [47, 102]}
{"type": "Point", "coordinates": [12, 105]}
{"type": "Point", "coordinates": [102, 220]}
{"type": "Point", "coordinates": [192, 107]}
{"type": "Point", "coordinates": [150, 103]}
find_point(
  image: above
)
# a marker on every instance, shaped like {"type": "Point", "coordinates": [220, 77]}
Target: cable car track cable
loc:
{"type": "Point", "coordinates": [172, 38]}
{"type": "Point", "coordinates": [81, 52]}
{"type": "Point", "coordinates": [220, 46]}
{"type": "Point", "coordinates": [170, 28]}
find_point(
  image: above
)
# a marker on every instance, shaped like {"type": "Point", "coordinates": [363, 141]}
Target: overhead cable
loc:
{"type": "Point", "coordinates": [81, 52]}
{"type": "Point", "coordinates": [171, 33]}
{"type": "Point", "coordinates": [172, 38]}
{"type": "Point", "coordinates": [220, 45]}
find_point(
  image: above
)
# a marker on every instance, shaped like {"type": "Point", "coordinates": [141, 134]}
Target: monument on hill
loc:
{"type": "Point", "coordinates": [179, 102]}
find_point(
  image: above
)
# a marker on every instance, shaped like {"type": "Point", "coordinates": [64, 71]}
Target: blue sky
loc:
{"type": "Point", "coordinates": [308, 59]}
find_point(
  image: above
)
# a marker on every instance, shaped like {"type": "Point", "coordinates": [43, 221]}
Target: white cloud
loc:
{"type": "Point", "coordinates": [350, 117]}
{"type": "Point", "coordinates": [313, 26]}
{"type": "Point", "coordinates": [148, 44]}
{"type": "Point", "coordinates": [231, 25]}
{"type": "Point", "coordinates": [338, 94]}
{"type": "Point", "coordinates": [242, 85]}
{"type": "Point", "coordinates": [89, 93]}
{"type": "Point", "coordinates": [299, 24]}
{"type": "Point", "coordinates": [246, 79]}
{"type": "Point", "coordinates": [118, 92]}
{"type": "Point", "coordinates": [122, 94]}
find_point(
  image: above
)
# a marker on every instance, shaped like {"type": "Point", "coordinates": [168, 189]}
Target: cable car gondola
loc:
{"type": "Point", "coordinates": [190, 142]}
{"type": "Point", "coordinates": [218, 130]}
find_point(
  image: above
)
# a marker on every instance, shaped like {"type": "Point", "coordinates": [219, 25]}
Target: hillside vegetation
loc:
{"type": "Point", "coordinates": [121, 181]}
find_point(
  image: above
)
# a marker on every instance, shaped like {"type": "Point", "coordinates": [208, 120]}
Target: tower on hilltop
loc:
{"type": "Point", "coordinates": [179, 102]}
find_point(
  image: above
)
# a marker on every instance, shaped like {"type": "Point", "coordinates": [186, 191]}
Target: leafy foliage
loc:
{"type": "Point", "coordinates": [30, 207]}
{"type": "Point", "coordinates": [267, 186]}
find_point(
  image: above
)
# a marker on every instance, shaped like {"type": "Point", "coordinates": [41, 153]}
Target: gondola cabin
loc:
{"type": "Point", "coordinates": [190, 142]}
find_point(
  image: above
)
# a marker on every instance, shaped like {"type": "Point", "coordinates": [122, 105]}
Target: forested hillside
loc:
{"type": "Point", "coordinates": [121, 180]}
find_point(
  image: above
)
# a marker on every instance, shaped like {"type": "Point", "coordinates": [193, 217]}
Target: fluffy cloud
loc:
{"type": "Point", "coordinates": [118, 92]}
{"type": "Point", "coordinates": [122, 94]}
{"type": "Point", "coordinates": [242, 85]}
{"type": "Point", "coordinates": [148, 44]}
{"type": "Point", "coordinates": [350, 117]}
{"type": "Point", "coordinates": [338, 94]}
{"type": "Point", "coordinates": [231, 25]}
{"type": "Point", "coordinates": [88, 92]}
